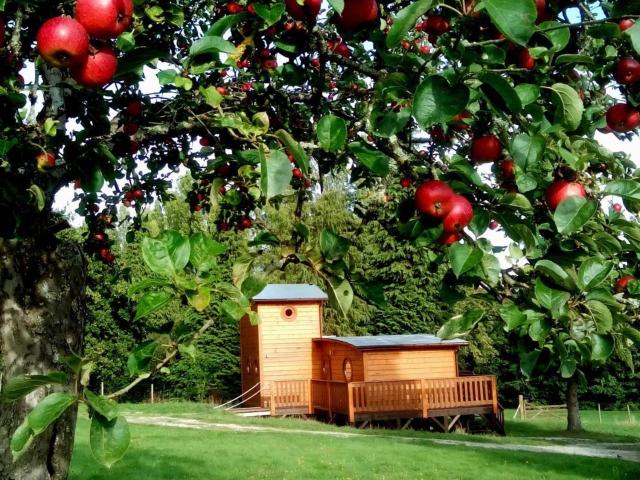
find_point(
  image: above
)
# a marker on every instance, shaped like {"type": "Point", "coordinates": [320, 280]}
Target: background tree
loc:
{"type": "Point", "coordinates": [279, 98]}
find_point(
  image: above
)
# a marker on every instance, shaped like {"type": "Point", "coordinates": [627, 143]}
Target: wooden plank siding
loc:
{"type": "Point", "coordinates": [336, 353]}
{"type": "Point", "coordinates": [285, 345]}
{"type": "Point", "coordinates": [249, 355]}
{"type": "Point", "coordinates": [397, 365]}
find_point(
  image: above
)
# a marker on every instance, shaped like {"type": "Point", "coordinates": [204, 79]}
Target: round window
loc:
{"type": "Point", "coordinates": [347, 370]}
{"type": "Point", "coordinates": [288, 313]}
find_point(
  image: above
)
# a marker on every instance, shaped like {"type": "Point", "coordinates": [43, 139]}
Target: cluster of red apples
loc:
{"type": "Point", "coordinates": [438, 201]}
{"type": "Point", "coordinates": [356, 13]}
{"type": "Point", "coordinates": [64, 42]}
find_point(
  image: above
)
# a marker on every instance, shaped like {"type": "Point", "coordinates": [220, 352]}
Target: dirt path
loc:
{"type": "Point", "coordinates": [592, 449]}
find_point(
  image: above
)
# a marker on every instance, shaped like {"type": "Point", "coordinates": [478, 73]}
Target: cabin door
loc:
{"type": "Point", "coordinates": [250, 377]}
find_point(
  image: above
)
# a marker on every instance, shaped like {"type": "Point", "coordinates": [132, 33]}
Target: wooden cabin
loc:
{"type": "Point", "coordinates": [289, 367]}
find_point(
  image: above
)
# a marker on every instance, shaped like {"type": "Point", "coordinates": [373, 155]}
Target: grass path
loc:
{"type": "Point", "coordinates": [585, 448]}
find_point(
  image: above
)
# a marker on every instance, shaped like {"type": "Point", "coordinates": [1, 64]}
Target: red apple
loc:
{"type": "Point", "coordinates": [507, 169]}
{"type": "Point", "coordinates": [341, 49]}
{"type": "Point", "coordinates": [493, 225]}
{"type": "Point", "coordinates": [525, 60]}
{"type": "Point", "coordinates": [98, 69]}
{"type": "Point", "coordinates": [562, 189]}
{"type": "Point", "coordinates": [3, 29]}
{"type": "Point", "coordinates": [486, 149]}
{"type": "Point", "coordinates": [130, 128]}
{"type": "Point", "coordinates": [308, 11]}
{"type": "Point", "coordinates": [436, 25]}
{"type": "Point", "coordinates": [449, 238]}
{"type": "Point", "coordinates": [459, 216]}
{"type": "Point", "coordinates": [617, 207]}
{"type": "Point", "coordinates": [628, 71]}
{"type": "Point", "coordinates": [405, 182]}
{"type": "Point", "coordinates": [458, 122]}
{"type": "Point", "coordinates": [63, 42]}
{"type": "Point", "coordinates": [626, 24]}
{"type": "Point", "coordinates": [296, 173]}
{"type": "Point", "coordinates": [357, 13]}
{"type": "Point", "coordinates": [45, 160]}
{"type": "Point", "coordinates": [622, 118]}
{"type": "Point", "coordinates": [104, 19]}
{"type": "Point", "coordinates": [134, 108]}
{"type": "Point", "coordinates": [621, 284]}
{"type": "Point", "coordinates": [433, 198]}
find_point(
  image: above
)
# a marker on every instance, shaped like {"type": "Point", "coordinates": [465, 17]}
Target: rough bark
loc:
{"type": "Point", "coordinates": [573, 410]}
{"type": "Point", "coordinates": [41, 284]}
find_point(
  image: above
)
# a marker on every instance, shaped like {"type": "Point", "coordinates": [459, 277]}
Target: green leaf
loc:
{"type": "Point", "coordinates": [134, 60]}
{"type": "Point", "coordinates": [463, 258]}
{"type": "Point", "coordinates": [527, 150]}
{"type": "Point", "coordinates": [572, 213]}
{"type": "Point", "coordinates": [627, 189]}
{"type": "Point", "coordinates": [252, 286]}
{"type": "Point", "coordinates": [559, 37]}
{"type": "Point", "coordinates": [405, 20]}
{"type": "Point", "coordinates": [233, 310]}
{"type": "Point", "coordinates": [48, 410]}
{"type": "Point", "coordinates": [337, 5]}
{"type": "Point", "coordinates": [333, 246]}
{"type": "Point", "coordinates": [539, 329]}
{"type": "Point", "coordinates": [21, 439]}
{"type": "Point", "coordinates": [332, 133]}
{"type": "Point", "coordinates": [340, 294]}
{"type": "Point", "coordinates": [460, 325]}
{"type": "Point", "coordinates": [374, 160]}
{"type": "Point", "coordinates": [601, 316]}
{"type": "Point", "coordinates": [211, 44]}
{"type": "Point", "coordinates": [574, 59]}
{"type": "Point", "coordinates": [436, 101]}
{"type": "Point", "coordinates": [491, 269]}
{"type": "Point", "coordinates": [156, 256]}
{"type": "Point", "coordinates": [601, 347]}
{"type": "Point", "coordinates": [514, 18]}
{"type": "Point", "coordinates": [109, 440]}
{"type": "Point", "coordinates": [593, 272]}
{"type": "Point", "coordinates": [204, 251]}
{"type": "Point", "coordinates": [155, 13]}
{"type": "Point", "coordinates": [556, 273]}
{"type": "Point", "coordinates": [199, 299]}
{"type": "Point", "coordinates": [146, 284]}
{"type": "Point", "coordinates": [517, 201]}
{"type": "Point", "coordinates": [220, 27]}
{"type": "Point", "coordinates": [632, 334]}
{"type": "Point", "coordinates": [269, 15]}
{"type": "Point", "coordinates": [104, 406]}
{"type": "Point", "coordinates": [568, 367]}
{"type": "Point", "coordinates": [140, 358]}
{"type": "Point", "coordinates": [528, 361]}
{"type": "Point", "coordinates": [275, 173]}
{"type": "Point", "coordinates": [151, 302]}
{"type": "Point", "coordinates": [178, 247]}
{"type": "Point", "coordinates": [502, 88]}
{"type": "Point", "coordinates": [512, 316]}
{"type": "Point", "coordinates": [38, 195]}
{"type": "Point", "coordinates": [634, 35]}
{"type": "Point", "coordinates": [211, 96]}
{"type": "Point", "coordinates": [528, 93]}
{"type": "Point", "coordinates": [569, 106]}
{"type": "Point", "coordinates": [550, 298]}
{"type": "Point", "coordinates": [299, 155]}
{"type": "Point", "coordinates": [20, 386]}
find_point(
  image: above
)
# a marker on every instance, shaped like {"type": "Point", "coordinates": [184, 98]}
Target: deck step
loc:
{"type": "Point", "coordinates": [250, 412]}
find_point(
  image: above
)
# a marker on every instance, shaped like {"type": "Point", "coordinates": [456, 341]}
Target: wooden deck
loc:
{"type": "Point", "coordinates": [379, 400]}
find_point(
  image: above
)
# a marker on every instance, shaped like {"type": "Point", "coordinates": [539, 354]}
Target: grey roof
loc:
{"type": "Point", "coordinates": [391, 341]}
{"type": "Point", "coordinates": [290, 292]}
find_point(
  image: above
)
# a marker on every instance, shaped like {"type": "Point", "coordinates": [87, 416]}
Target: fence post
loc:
{"type": "Point", "coordinates": [599, 413]}
{"type": "Point", "coordinates": [152, 396]}
{"type": "Point", "coordinates": [521, 406]}
{"type": "Point", "coordinates": [352, 416]}
{"type": "Point", "coordinates": [329, 399]}
{"type": "Point", "coordinates": [309, 395]}
{"type": "Point", "coordinates": [425, 400]}
{"type": "Point", "coordinates": [272, 400]}
{"type": "Point", "coordinates": [494, 395]}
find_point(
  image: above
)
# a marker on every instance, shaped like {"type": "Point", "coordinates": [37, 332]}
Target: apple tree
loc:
{"type": "Point", "coordinates": [452, 119]}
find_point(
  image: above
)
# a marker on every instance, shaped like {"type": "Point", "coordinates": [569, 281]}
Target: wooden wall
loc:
{"type": "Point", "coordinates": [336, 353]}
{"type": "Point", "coordinates": [410, 364]}
{"type": "Point", "coordinates": [285, 345]}
{"type": "Point", "coordinates": [249, 355]}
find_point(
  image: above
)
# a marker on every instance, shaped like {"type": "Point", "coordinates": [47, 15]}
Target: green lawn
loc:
{"type": "Point", "coordinates": [160, 453]}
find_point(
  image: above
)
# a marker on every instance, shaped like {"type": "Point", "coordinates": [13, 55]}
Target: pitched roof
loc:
{"type": "Point", "coordinates": [290, 292]}
{"type": "Point", "coordinates": [394, 341]}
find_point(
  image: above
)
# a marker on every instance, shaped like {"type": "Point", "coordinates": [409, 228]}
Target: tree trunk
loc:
{"type": "Point", "coordinates": [573, 410]}
{"type": "Point", "coordinates": [41, 321]}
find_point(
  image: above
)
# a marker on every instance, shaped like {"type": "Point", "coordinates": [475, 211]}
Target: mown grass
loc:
{"type": "Point", "coordinates": [161, 453]}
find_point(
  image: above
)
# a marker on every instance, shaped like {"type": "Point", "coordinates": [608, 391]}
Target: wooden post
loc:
{"type": "Point", "coordinates": [352, 415]}
{"type": "Point", "coordinates": [494, 395]}
{"type": "Point", "coordinates": [329, 399]}
{"type": "Point", "coordinates": [425, 401]}
{"type": "Point", "coordinates": [272, 401]}
{"type": "Point", "coordinates": [102, 388]}
{"type": "Point", "coordinates": [599, 414]}
{"type": "Point", "coordinates": [152, 399]}
{"type": "Point", "coordinates": [521, 406]}
{"type": "Point", "coordinates": [309, 390]}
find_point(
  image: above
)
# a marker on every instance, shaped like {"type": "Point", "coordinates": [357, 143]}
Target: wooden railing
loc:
{"type": "Point", "coordinates": [416, 397]}
{"type": "Point", "coordinates": [290, 394]}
